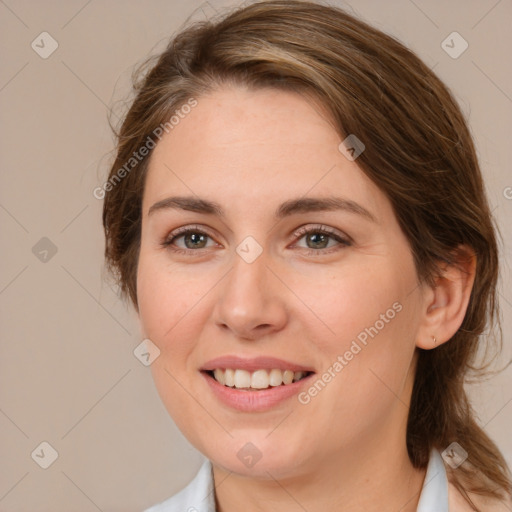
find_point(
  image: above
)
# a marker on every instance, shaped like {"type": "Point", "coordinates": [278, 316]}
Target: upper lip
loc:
{"type": "Point", "coordinates": [254, 363]}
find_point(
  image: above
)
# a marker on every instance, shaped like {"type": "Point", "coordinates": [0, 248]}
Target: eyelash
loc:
{"type": "Point", "coordinates": [300, 233]}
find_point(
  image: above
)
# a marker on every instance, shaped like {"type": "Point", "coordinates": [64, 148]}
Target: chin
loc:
{"type": "Point", "coordinates": [258, 455]}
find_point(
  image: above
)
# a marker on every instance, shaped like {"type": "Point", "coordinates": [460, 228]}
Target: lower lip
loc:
{"type": "Point", "coordinates": [254, 401]}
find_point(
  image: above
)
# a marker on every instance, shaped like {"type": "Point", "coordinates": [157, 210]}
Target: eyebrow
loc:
{"type": "Point", "coordinates": [290, 207]}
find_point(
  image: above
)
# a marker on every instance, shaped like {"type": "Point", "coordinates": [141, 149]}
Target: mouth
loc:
{"type": "Point", "coordinates": [258, 380]}
{"type": "Point", "coordinates": [255, 384]}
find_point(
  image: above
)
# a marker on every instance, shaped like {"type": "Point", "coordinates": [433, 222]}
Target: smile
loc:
{"type": "Point", "coordinates": [259, 379]}
{"type": "Point", "coordinates": [255, 384]}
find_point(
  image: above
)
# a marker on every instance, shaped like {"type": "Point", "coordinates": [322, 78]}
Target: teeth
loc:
{"type": "Point", "coordinates": [242, 379]}
{"type": "Point", "coordinates": [219, 376]}
{"type": "Point", "coordinates": [276, 377]}
{"type": "Point", "coordinates": [229, 377]}
{"type": "Point", "coordinates": [260, 379]}
{"type": "Point", "coordinates": [288, 377]}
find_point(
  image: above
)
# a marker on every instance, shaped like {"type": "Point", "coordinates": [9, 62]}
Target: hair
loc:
{"type": "Point", "coordinates": [418, 151]}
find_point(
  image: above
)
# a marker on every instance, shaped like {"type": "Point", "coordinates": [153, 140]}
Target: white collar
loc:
{"type": "Point", "coordinates": [199, 495]}
{"type": "Point", "coordinates": [434, 495]}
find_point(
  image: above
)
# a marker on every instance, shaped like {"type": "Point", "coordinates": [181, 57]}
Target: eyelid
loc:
{"type": "Point", "coordinates": [191, 227]}
{"type": "Point", "coordinates": [322, 228]}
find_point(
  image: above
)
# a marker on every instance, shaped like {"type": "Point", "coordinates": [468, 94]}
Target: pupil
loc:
{"type": "Point", "coordinates": [195, 237]}
{"type": "Point", "coordinates": [318, 235]}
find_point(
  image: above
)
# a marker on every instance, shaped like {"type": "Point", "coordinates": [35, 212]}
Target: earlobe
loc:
{"type": "Point", "coordinates": [446, 303]}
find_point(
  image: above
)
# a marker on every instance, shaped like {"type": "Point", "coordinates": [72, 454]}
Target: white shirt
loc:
{"type": "Point", "coordinates": [199, 495]}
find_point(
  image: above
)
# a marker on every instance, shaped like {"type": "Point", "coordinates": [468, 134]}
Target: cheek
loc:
{"type": "Point", "coordinates": [154, 297]}
{"type": "Point", "coordinates": [369, 317]}
{"type": "Point", "coordinates": [166, 313]}
{"type": "Point", "coordinates": [165, 296]}
{"type": "Point", "coordinates": [172, 315]}
{"type": "Point", "coordinates": [345, 301]}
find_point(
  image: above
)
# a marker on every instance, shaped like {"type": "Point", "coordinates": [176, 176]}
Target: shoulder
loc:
{"type": "Point", "coordinates": [458, 503]}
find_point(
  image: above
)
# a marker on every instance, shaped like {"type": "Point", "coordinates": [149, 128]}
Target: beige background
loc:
{"type": "Point", "coordinates": [68, 375]}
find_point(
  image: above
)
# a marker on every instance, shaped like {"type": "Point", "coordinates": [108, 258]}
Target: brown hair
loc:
{"type": "Point", "coordinates": [419, 152]}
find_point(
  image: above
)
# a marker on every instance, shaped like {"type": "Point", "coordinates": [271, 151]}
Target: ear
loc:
{"type": "Point", "coordinates": [445, 304]}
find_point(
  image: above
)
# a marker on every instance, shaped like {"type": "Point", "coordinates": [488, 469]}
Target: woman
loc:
{"type": "Point", "coordinates": [297, 214]}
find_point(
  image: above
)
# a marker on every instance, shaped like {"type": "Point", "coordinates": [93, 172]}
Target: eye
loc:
{"type": "Point", "coordinates": [193, 237]}
{"type": "Point", "coordinates": [318, 238]}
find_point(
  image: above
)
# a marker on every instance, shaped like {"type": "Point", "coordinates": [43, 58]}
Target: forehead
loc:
{"type": "Point", "coordinates": [239, 120]}
{"type": "Point", "coordinates": [266, 144]}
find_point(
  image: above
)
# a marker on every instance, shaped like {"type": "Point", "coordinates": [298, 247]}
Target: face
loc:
{"type": "Point", "coordinates": [267, 272]}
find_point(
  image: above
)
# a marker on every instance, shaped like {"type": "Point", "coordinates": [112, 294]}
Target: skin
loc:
{"type": "Point", "coordinates": [344, 450]}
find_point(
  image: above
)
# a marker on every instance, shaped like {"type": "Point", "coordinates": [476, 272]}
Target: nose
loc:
{"type": "Point", "coordinates": [252, 299]}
